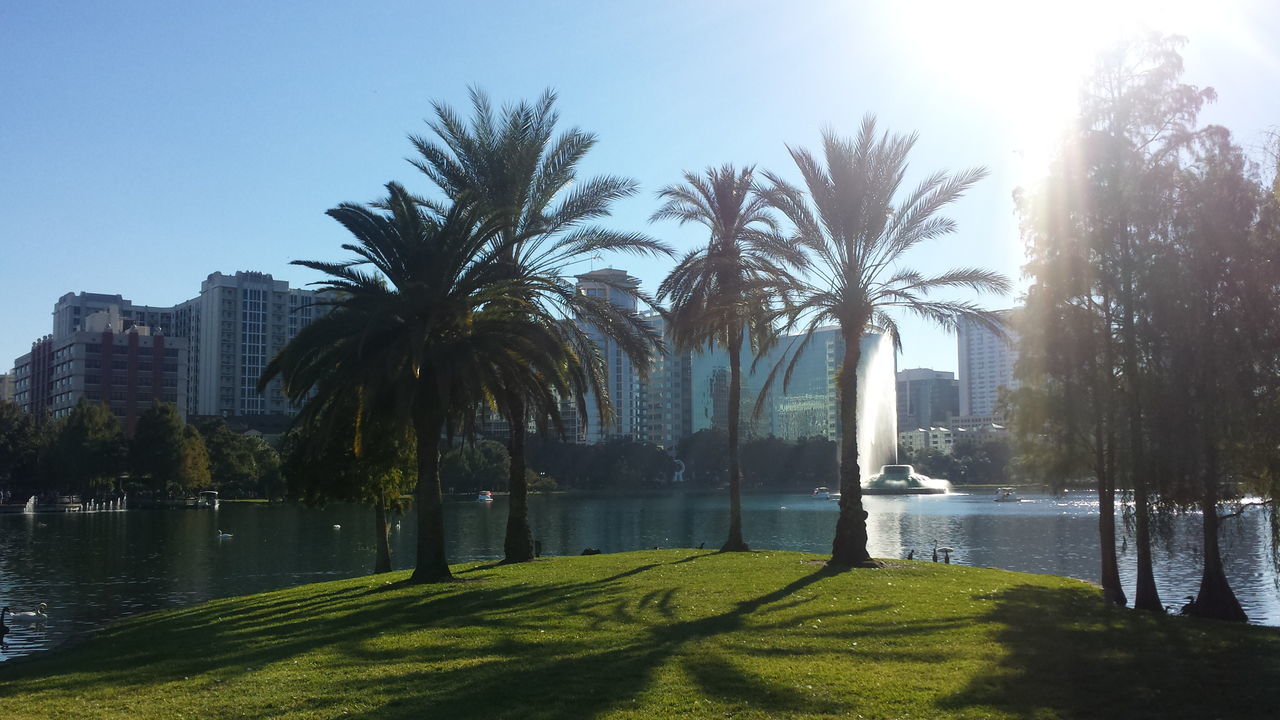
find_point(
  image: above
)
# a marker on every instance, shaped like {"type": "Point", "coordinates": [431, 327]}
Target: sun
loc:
{"type": "Point", "coordinates": [1023, 63]}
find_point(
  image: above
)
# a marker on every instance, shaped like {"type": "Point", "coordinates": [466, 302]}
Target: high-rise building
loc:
{"type": "Point", "coordinates": [622, 381]}
{"type": "Point", "coordinates": [808, 404]}
{"type": "Point", "coordinates": [106, 359]}
{"type": "Point", "coordinates": [6, 387]}
{"type": "Point", "coordinates": [926, 398]}
{"type": "Point", "coordinates": [33, 379]}
{"type": "Point", "coordinates": [986, 365]}
{"type": "Point", "coordinates": [235, 326]}
{"type": "Point", "coordinates": [665, 395]}
{"type": "Point", "coordinates": [71, 310]}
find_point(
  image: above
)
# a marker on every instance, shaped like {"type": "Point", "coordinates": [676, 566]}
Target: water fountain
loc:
{"type": "Point", "coordinates": [877, 404]}
{"type": "Point", "coordinates": [878, 425]}
{"type": "Point", "coordinates": [903, 480]}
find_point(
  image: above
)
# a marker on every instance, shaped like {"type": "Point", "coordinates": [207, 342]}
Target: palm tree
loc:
{"type": "Point", "coordinates": [857, 235]}
{"type": "Point", "coordinates": [432, 329]}
{"type": "Point", "coordinates": [721, 294]}
{"type": "Point", "coordinates": [512, 162]}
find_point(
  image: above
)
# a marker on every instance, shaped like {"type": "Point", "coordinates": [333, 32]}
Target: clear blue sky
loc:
{"type": "Point", "coordinates": [145, 145]}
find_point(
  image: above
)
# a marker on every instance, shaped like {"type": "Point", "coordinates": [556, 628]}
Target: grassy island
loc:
{"type": "Point", "coordinates": [667, 633]}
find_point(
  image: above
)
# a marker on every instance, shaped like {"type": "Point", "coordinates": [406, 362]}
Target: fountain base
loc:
{"type": "Point", "coordinates": [904, 480]}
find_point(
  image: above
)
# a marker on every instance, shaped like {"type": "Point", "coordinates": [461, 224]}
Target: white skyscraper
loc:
{"type": "Point", "coordinates": [986, 365]}
{"type": "Point", "coordinates": [622, 381]}
{"type": "Point", "coordinates": [235, 326]}
{"type": "Point", "coordinates": [665, 396]}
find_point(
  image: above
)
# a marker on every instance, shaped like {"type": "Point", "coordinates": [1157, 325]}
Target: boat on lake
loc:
{"type": "Point", "coordinates": [485, 496]}
{"type": "Point", "coordinates": [821, 493]}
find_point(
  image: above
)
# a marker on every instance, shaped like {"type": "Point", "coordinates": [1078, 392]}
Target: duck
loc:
{"type": "Point", "coordinates": [1190, 607]}
{"type": "Point", "coordinates": [38, 615]}
{"type": "Point", "coordinates": [224, 536]}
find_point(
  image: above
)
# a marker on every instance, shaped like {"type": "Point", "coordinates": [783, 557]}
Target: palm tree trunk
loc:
{"type": "Point", "coordinates": [735, 543]}
{"type": "Point", "coordinates": [849, 549]}
{"type": "Point", "coordinates": [518, 545]}
{"type": "Point", "coordinates": [382, 563]}
{"type": "Point", "coordinates": [431, 563]}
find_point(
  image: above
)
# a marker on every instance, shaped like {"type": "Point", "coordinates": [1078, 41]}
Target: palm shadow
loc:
{"type": "Point", "coordinates": [607, 644]}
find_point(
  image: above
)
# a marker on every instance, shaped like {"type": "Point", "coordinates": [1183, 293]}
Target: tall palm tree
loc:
{"type": "Point", "coordinates": [721, 294]}
{"type": "Point", "coordinates": [858, 233]}
{"type": "Point", "coordinates": [424, 324]}
{"type": "Point", "coordinates": [512, 162]}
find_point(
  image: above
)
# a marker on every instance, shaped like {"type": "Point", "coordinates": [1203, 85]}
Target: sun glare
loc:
{"type": "Point", "coordinates": [1024, 61]}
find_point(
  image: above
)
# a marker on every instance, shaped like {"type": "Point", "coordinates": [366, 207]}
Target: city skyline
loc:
{"type": "Point", "coordinates": [200, 140]}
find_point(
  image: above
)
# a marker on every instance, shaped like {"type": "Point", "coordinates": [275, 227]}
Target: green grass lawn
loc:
{"type": "Point", "coordinates": [670, 633]}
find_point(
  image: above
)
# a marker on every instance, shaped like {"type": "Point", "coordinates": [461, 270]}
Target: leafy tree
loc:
{"type": "Point", "coordinates": [428, 322]}
{"type": "Point", "coordinates": [1094, 230]}
{"type": "Point", "coordinates": [156, 451]}
{"type": "Point", "coordinates": [231, 455]}
{"type": "Point", "coordinates": [19, 443]}
{"type": "Point", "coordinates": [539, 482]}
{"type": "Point", "coordinates": [525, 177]}
{"type": "Point", "coordinates": [722, 294]}
{"type": "Point", "coordinates": [482, 465]}
{"type": "Point", "coordinates": [814, 462]}
{"type": "Point", "coordinates": [193, 472]}
{"type": "Point", "coordinates": [1257, 448]}
{"type": "Point", "coordinates": [765, 460]}
{"type": "Point", "coordinates": [858, 233]}
{"type": "Point", "coordinates": [1064, 414]}
{"type": "Point", "coordinates": [620, 464]}
{"type": "Point", "coordinates": [1204, 385]}
{"type": "Point", "coordinates": [703, 454]}
{"type": "Point", "coordinates": [326, 459]}
{"type": "Point", "coordinates": [84, 451]}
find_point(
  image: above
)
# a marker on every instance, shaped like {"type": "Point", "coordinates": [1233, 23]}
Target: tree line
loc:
{"type": "Point", "coordinates": [971, 461]}
{"type": "Point", "coordinates": [1150, 338]}
{"type": "Point", "coordinates": [86, 453]}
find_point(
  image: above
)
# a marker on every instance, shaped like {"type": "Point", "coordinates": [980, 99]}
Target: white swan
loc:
{"type": "Point", "coordinates": [224, 536]}
{"type": "Point", "coordinates": [29, 616]}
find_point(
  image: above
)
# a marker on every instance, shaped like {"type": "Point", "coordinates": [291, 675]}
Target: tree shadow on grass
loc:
{"type": "Point", "coordinates": [1072, 656]}
{"type": "Point", "coordinates": [575, 681]}
{"type": "Point", "coordinates": [534, 650]}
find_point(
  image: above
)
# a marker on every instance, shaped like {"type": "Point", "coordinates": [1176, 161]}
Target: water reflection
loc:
{"type": "Point", "coordinates": [94, 567]}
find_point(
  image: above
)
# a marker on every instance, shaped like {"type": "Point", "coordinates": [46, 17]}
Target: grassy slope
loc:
{"type": "Point", "coordinates": [675, 633]}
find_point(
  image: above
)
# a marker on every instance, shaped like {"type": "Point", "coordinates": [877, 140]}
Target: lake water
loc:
{"type": "Point", "coordinates": [92, 568]}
